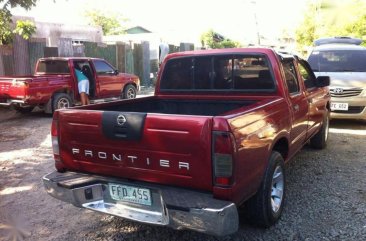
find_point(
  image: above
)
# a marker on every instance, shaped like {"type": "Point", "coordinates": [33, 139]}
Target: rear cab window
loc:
{"type": "Point", "coordinates": [246, 73]}
{"type": "Point", "coordinates": [53, 67]}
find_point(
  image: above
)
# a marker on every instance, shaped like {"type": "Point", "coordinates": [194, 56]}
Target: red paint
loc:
{"type": "Point", "coordinates": [254, 129]}
{"type": "Point", "coordinates": [38, 89]}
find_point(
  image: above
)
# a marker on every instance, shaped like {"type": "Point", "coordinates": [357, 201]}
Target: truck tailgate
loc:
{"type": "Point", "coordinates": [13, 88]}
{"type": "Point", "coordinates": [166, 149]}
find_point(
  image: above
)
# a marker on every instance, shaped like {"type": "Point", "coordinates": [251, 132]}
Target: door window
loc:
{"type": "Point", "coordinates": [308, 77]}
{"type": "Point", "coordinates": [291, 78]}
{"type": "Point", "coordinates": [102, 67]}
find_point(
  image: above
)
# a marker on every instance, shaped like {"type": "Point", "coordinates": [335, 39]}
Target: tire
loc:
{"type": "Point", "coordinates": [61, 101]}
{"type": "Point", "coordinates": [265, 207]}
{"type": "Point", "coordinates": [319, 141]}
{"type": "Point", "coordinates": [129, 92]}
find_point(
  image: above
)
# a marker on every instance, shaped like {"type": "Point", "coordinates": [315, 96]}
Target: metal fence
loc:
{"type": "Point", "coordinates": [21, 57]}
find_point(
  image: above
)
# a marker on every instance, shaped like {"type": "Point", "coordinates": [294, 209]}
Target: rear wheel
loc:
{"type": "Point", "coordinates": [61, 101]}
{"type": "Point", "coordinates": [129, 92]}
{"type": "Point", "coordinates": [319, 141]}
{"type": "Point", "coordinates": [266, 206]}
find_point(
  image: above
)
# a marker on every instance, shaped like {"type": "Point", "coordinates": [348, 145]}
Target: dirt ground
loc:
{"type": "Point", "coordinates": [326, 192]}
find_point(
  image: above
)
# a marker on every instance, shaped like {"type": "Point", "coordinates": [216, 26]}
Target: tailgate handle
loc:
{"type": "Point", "coordinates": [123, 125]}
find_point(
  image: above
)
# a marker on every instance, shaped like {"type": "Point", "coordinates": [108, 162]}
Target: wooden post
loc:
{"type": "Point", "coordinates": [21, 56]}
{"type": "Point", "coordinates": [146, 64]}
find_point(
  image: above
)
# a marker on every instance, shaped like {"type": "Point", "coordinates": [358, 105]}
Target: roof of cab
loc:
{"type": "Point", "coordinates": [68, 58]}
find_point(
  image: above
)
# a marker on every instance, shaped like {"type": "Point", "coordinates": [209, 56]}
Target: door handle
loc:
{"type": "Point", "coordinates": [296, 108]}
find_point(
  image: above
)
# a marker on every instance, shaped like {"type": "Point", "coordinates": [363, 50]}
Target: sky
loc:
{"type": "Point", "coordinates": [186, 20]}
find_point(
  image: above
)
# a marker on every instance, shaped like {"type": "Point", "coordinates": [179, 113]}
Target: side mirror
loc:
{"type": "Point", "coordinates": [322, 81]}
{"type": "Point", "coordinates": [116, 72]}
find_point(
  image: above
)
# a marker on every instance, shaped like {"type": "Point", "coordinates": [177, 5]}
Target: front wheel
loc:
{"type": "Point", "coordinates": [319, 141]}
{"type": "Point", "coordinates": [61, 101]}
{"type": "Point", "coordinates": [129, 92]}
{"type": "Point", "coordinates": [266, 206]}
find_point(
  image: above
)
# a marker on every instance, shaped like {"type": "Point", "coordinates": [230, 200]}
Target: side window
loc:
{"type": "Point", "coordinates": [291, 79]}
{"type": "Point", "coordinates": [308, 78]}
{"type": "Point", "coordinates": [102, 67]}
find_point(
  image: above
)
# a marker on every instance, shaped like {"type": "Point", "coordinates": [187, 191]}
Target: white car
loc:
{"type": "Point", "coordinates": [344, 60]}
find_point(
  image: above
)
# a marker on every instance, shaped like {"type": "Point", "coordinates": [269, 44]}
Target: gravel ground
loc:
{"type": "Point", "coordinates": [326, 194]}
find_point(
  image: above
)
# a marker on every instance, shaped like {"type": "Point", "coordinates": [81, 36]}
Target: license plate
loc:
{"type": "Point", "coordinates": [130, 194]}
{"type": "Point", "coordinates": [339, 106]}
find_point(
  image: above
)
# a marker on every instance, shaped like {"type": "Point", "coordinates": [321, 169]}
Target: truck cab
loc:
{"type": "Point", "coordinates": [215, 136]}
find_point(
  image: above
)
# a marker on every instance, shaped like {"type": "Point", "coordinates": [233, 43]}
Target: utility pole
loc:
{"type": "Point", "coordinates": [256, 21]}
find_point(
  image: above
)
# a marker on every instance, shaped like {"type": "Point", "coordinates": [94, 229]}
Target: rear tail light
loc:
{"type": "Point", "coordinates": [55, 143]}
{"type": "Point", "coordinates": [54, 135]}
{"type": "Point", "coordinates": [223, 158]}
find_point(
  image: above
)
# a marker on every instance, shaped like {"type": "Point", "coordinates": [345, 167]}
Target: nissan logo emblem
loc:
{"type": "Point", "coordinates": [338, 90]}
{"type": "Point", "coordinates": [121, 120]}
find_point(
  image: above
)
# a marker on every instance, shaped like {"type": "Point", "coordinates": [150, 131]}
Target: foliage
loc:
{"type": "Point", "coordinates": [213, 40]}
{"type": "Point", "coordinates": [5, 17]}
{"type": "Point", "coordinates": [5, 30]}
{"type": "Point", "coordinates": [27, 4]}
{"type": "Point", "coordinates": [25, 28]}
{"type": "Point", "coordinates": [306, 32]}
{"type": "Point", "coordinates": [110, 23]}
{"type": "Point", "coordinates": [332, 18]}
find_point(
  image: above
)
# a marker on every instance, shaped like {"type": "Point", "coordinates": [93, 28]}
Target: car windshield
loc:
{"type": "Point", "coordinates": [338, 61]}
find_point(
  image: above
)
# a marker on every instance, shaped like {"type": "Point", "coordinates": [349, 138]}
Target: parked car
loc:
{"type": "Point", "coordinates": [54, 85]}
{"type": "Point", "coordinates": [344, 61]}
{"type": "Point", "coordinates": [215, 135]}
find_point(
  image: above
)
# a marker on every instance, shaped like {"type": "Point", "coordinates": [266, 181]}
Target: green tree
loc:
{"type": "Point", "coordinates": [110, 23]}
{"type": "Point", "coordinates": [358, 28]}
{"type": "Point", "coordinates": [213, 40]}
{"type": "Point", "coordinates": [5, 17]}
{"type": "Point", "coordinates": [306, 33]}
{"type": "Point", "coordinates": [25, 28]}
{"type": "Point", "coordinates": [328, 18]}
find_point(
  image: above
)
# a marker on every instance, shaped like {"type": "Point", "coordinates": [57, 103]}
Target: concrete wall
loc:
{"type": "Point", "coordinates": [53, 32]}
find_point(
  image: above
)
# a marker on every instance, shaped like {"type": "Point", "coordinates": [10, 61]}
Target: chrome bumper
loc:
{"type": "Point", "coordinates": [9, 102]}
{"type": "Point", "coordinates": [177, 208]}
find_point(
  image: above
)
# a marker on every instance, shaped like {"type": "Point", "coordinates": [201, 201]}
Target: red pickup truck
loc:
{"type": "Point", "coordinates": [54, 84]}
{"type": "Point", "coordinates": [215, 136]}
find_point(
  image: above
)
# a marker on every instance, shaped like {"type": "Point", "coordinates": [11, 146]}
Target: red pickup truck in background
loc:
{"type": "Point", "coordinates": [54, 85]}
{"type": "Point", "coordinates": [215, 136]}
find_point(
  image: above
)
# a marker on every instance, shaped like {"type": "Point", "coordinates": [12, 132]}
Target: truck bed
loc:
{"type": "Point", "coordinates": [144, 142]}
{"type": "Point", "coordinates": [179, 107]}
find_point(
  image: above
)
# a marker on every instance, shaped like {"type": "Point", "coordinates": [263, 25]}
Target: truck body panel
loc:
{"type": "Point", "coordinates": [211, 128]}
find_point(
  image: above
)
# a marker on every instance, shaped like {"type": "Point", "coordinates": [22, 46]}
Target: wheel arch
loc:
{"type": "Point", "coordinates": [281, 145]}
{"type": "Point", "coordinates": [49, 105]}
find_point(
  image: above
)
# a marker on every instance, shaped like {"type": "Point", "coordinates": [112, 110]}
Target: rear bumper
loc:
{"type": "Point", "coordinates": [177, 208]}
{"type": "Point", "coordinates": [9, 102]}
